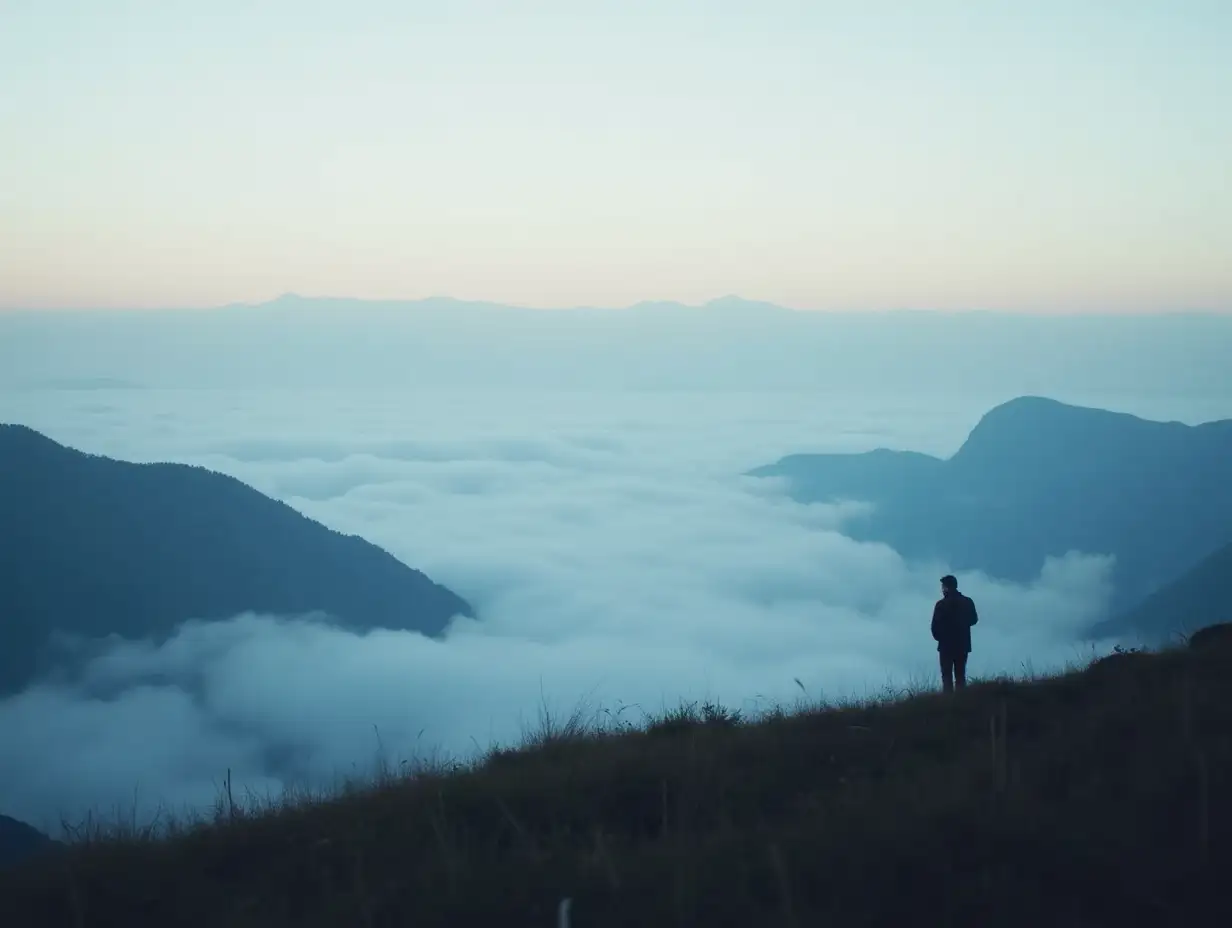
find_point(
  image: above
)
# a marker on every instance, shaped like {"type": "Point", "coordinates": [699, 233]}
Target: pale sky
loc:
{"type": "Point", "coordinates": [1055, 155]}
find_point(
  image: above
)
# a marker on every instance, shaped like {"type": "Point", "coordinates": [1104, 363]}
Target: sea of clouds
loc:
{"type": "Point", "coordinates": [615, 554]}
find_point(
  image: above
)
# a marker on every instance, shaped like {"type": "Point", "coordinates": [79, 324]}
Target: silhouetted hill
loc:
{"type": "Point", "coordinates": [91, 546]}
{"type": "Point", "coordinates": [1200, 597]}
{"type": "Point", "coordinates": [19, 841]}
{"type": "Point", "coordinates": [1097, 798]}
{"type": "Point", "coordinates": [1035, 478]}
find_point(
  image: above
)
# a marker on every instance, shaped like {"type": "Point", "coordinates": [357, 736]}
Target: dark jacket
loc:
{"type": "Point", "coordinates": [953, 617]}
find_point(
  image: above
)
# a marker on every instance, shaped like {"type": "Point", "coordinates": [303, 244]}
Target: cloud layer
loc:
{"type": "Point", "coordinates": [613, 551]}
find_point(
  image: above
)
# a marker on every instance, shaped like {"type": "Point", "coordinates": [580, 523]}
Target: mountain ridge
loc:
{"type": "Point", "coordinates": [93, 546]}
{"type": "Point", "coordinates": [1037, 478]}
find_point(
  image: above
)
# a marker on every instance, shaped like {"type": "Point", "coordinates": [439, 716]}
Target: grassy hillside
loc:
{"type": "Point", "coordinates": [1100, 797]}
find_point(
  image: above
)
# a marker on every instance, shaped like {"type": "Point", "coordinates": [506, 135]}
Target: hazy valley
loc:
{"type": "Point", "coordinates": [613, 545]}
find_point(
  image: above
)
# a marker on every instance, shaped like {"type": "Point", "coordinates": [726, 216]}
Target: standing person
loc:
{"type": "Point", "coordinates": [953, 617]}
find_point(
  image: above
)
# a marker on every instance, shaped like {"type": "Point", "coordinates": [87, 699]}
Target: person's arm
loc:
{"type": "Point", "coordinates": [936, 620]}
{"type": "Point", "coordinates": [975, 616]}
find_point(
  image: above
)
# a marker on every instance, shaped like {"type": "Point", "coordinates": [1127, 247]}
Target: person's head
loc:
{"type": "Point", "coordinates": [949, 584]}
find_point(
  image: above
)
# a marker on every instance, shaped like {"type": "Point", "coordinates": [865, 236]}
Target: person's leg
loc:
{"type": "Point", "coordinates": [960, 670]}
{"type": "Point", "coordinates": [947, 672]}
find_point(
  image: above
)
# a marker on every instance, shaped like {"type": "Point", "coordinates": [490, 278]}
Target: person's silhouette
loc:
{"type": "Point", "coordinates": [953, 617]}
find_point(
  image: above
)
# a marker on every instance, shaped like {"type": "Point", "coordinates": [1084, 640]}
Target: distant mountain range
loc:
{"type": "Point", "coordinates": [1038, 477]}
{"type": "Point", "coordinates": [92, 547]}
{"type": "Point", "coordinates": [727, 344]}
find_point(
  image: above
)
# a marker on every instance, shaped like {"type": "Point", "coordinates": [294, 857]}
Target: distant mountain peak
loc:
{"type": "Point", "coordinates": [1039, 478]}
{"type": "Point", "coordinates": [1031, 404]}
{"type": "Point", "coordinates": [738, 304]}
{"type": "Point", "coordinates": [1038, 421]}
{"type": "Point", "coordinates": [1032, 401]}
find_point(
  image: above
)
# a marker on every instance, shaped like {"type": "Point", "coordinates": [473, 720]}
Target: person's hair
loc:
{"type": "Point", "coordinates": [950, 582]}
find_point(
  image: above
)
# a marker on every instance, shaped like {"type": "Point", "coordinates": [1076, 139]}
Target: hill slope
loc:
{"type": "Point", "coordinates": [1097, 798]}
{"type": "Point", "coordinates": [18, 841]}
{"type": "Point", "coordinates": [1036, 478]}
{"type": "Point", "coordinates": [1200, 597]}
{"type": "Point", "coordinates": [92, 546]}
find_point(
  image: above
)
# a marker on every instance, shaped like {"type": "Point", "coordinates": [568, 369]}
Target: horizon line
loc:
{"type": "Point", "coordinates": [730, 300]}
